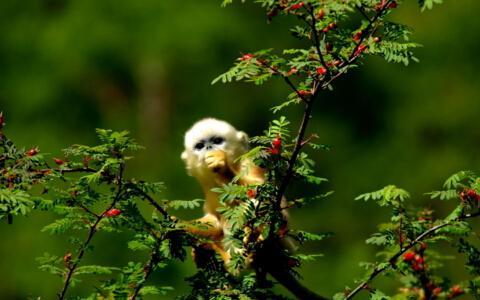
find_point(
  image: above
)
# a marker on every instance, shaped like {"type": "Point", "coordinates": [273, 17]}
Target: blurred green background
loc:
{"type": "Point", "coordinates": [68, 67]}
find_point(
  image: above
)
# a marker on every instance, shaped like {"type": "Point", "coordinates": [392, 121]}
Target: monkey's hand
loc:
{"type": "Point", "coordinates": [216, 160]}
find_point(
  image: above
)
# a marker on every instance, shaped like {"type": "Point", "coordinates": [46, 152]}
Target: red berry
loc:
{"type": "Point", "coordinates": [332, 26]}
{"type": "Point", "coordinates": [322, 71]}
{"type": "Point", "coordinates": [58, 161]}
{"type": "Point", "coordinates": [376, 39]}
{"type": "Point", "coordinates": [360, 49]}
{"type": "Point", "coordinates": [251, 193]}
{"type": "Point", "coordinates": [419, 259]}
{"type": "Point", "coordinates": [409, 256]}
{"type": "Point", "coordinates": [325, 30]}
{"type": "Point", "coordinates": [2, 120]}
{"type": "Point", "coordinates": [303, 93]}
{"type": "Point", "coordinates": [357, 36]}
{"type": "Point", "coordinates": [113, 213]}
{"type": "Point", "coordinates": [381, 5]}
{"type": "Point", "coordinates": [297, 6]}
{"type": "Point", "coordinates": [320, 14]}
{"type": "Point", "coordinates": [274, 151]}
{"type": "Point", "coordinates": [67, 257]}
{"type": "Point", "coordinates": [423, 246]}
{"type": "Point", "coordinates": [456, 290]}
{"type": "Point", "coordinates": [436, 291]}
{"type": "Point", "coordinates": [277, 142]}
{"type": "Point", "coordinates": [247, 56]}
{"type": "Point", "coordinates": [32, 152]}
{"type": "Point", "coordinates": [417, 267]}
{"type": "Point", "coordinates": [292, 71]}
{"type": "Point", "coordinates": [393, 4]}
{"type": "Point", "coordinates": [469, 195]}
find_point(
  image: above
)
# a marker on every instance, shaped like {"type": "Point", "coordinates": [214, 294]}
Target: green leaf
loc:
{"type": "Point", "coordinates": [378, 295]}
{"type": "Point", "coordinates": [388, 196]}
{"type": "Point", "coordinates": [428, 4]}
{"type": "Point", "coordinates": [186, 204]}
{"type": "Point", "coordinates": [94, 270]}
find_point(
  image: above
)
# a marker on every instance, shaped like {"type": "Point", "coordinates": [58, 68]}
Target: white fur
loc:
{"type": "Point", "coordinates": [236, 144]}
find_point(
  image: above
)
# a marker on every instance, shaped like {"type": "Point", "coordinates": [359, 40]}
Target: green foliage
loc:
{"type": "Point", "coordinates": [388, 196]}
{"type": "Point", "coordinates": [428, 4]}
{"type": "Point", "coordinates": [91, 193]}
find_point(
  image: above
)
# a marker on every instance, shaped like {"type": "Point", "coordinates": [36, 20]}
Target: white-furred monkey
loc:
{"type": "Point", "coordinates": [211, 151]}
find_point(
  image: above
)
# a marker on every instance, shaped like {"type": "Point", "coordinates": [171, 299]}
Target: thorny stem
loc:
{"type": "Point", "coordinates": [91, 233]}
{"type": "Point", "coordinates": [393, 259]}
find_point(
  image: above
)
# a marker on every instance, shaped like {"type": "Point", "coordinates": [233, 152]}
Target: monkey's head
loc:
{"type": "Point", "coordinates": [211, 135]}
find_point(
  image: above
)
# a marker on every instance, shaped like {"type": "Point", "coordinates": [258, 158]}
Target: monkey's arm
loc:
{"type": "Point", "coordinates": [208, 226]}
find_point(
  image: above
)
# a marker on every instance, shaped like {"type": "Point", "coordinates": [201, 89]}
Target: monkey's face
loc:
{"type": "Point", "coordinates": [212, 135]}
{"type": "Point", "coordinates": [209, 143]}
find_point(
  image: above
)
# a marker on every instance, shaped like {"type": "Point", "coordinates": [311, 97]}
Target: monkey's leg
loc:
{"type": "Point", "coordinates": [215, 246]}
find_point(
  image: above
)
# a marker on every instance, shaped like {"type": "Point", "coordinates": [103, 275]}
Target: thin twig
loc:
{"type": "Point", "coordinates": [91, 233]}
{"type": "Point", "coordinates": [150, 200]}
{"type": "Point", "coordinates": [360, 9]}
{"type": "Point", "coordinates": [316, 39]}
{"type": "Point", "coordinates": [369, 26]}
{"type": "Point", "coordinates": [147, 271]}
{"type": "Point", "coordinates": [393, 259]}
{"type": "Point", "coordinates": [285, 78]}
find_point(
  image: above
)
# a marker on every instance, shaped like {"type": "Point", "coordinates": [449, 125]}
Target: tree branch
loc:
{"type": "Point", "coordinates": [394, 258]}
{"type": "Point", "coordinates": [91, 233]}
{"type": "Point", "coordinates": [316, 39]}
{"type": "Point", "coordinates": [147, 271]}
{"type": "Point", "coordinates": [150, 200]}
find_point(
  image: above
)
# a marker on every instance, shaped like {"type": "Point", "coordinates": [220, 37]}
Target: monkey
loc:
{"type": "Point", "coordinates": [212, 149]}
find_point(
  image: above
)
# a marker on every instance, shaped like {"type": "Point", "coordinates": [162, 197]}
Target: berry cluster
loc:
{"type": "Point", "coordinates": [276, 146]}
{"type": "Point", "coordinates": [416, 261]}
{"type": "Point", "coordinates": [470, 196]}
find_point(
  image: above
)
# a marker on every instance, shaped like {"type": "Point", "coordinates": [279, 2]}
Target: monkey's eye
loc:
{"type": "Point", "coordinates": [199, 146]}
{"type": "Point", "coordinates": [218, 140]}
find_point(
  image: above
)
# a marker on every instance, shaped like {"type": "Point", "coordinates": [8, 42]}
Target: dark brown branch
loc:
{"type": "Point", "coordinates": [360, 9]}
{"type": "Point", "coordinates": [297, 148]}
{"type": "Point", "coordinates": [270, 260]}
{"type": "Point", "coordinates": [316, 39]}
{"type": "Point", "coordinates": [147, 271]}
{"type": "Point", "coordinates": [393, 259]}
{"type": "Point", "coordinates": [150, 200]}
{"type": "Point", "coordinates": [91, 233]}
{"type": "Point", "coordinates": [285, 78]}
{"type": "Point", "coordinates": [368, 29]}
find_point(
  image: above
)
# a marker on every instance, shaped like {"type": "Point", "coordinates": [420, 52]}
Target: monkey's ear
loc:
{"type": "Point", "coordinates": [243, 137]}
{"type": "Point", "coordinates": [184, 155]}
